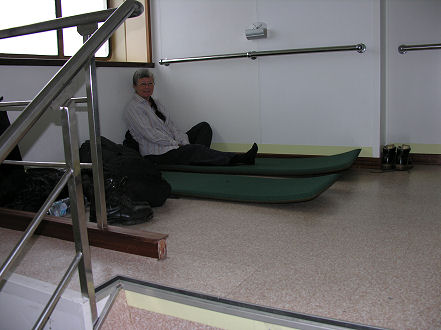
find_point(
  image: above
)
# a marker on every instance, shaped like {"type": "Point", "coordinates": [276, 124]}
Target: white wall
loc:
{"type": "Point", "coordinates": [329, 99]}
{"type": "Point", "coordinates": [414, 79]}
{"type": "Point", "coordinates": [310, 103]}
{"type": "Point", "coordinates": [44, 141]}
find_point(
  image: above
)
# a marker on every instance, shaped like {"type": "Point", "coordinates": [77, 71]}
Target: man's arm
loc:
{"type": "Point", "coordinates": [178, 135]}
{"type": "Point", "coordinates": [144, 125]}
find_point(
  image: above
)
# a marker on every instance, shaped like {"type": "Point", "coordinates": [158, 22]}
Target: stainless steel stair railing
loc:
{"type": "Point", "coordinates": [57, 94]}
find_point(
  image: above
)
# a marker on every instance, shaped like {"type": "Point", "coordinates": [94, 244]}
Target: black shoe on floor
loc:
{"type": "Point", "coordinates": [129, 213]}
{"type": "Point", "coordinates": [388, 157]}
{"type": "Point", "coordinates": [403, 162]}
{"type": "Point", "coordinates": [120, 208]}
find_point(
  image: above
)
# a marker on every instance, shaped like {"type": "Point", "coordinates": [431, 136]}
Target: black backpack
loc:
{"type": "Point", "coordinates": [143, 181]}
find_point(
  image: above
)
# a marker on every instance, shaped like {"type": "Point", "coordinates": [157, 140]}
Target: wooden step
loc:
{"type": "Point", "coordinates": [143, 243]}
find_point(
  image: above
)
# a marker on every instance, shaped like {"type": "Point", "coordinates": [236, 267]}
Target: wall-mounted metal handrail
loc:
{"type": "Point", "coordinates": [403, 49]}
{"type": "Point", "coordinates": [65, 22]}
{"type": "Point", "coordinates": [361, 48]}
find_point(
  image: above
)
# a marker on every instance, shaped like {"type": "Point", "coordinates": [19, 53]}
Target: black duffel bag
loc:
{"type": "Point", "coordinates": [143, 181]}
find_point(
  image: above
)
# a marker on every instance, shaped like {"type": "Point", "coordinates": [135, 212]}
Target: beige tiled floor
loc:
{"type": "Point", "coordinates": [368, 250]}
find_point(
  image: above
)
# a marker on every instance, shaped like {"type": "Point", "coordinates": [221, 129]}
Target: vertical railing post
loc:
{"type": "Point", "coordinates": [94, 132]}
{"type": "Point", "coordinates": [78, 213]}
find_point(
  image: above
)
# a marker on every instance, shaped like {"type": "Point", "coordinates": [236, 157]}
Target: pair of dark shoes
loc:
{"type": "Point", "coordinates": [396, 157]}
{"type": "Point", "coordinates": [247, 158]}
{"type": "Point", "coordinates": [120, 208]}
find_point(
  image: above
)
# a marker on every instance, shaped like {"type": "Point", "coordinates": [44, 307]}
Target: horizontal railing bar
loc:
{"type": "Point", "coordinates": [34, 224]}
{"type": "Point", "coordinates": [64, 22]}
{"type": "Point", "coordinates": [403, 49]}
{"type": "Point", "coordinates": [42, 320]}
{"type": "Point", "coordinates": [80, 99]}
{"type": "Point", "coordinates": [42, 164]}
{"type": "Point", "coordinates": [65, 76]}
{"type": "Point", "coordinates": [109, 303]}
{"type": "Point", "coordinates": [361, 48]}
{"type": "Point", "coordinates": [202, 58]}
{"type": "Point", "coordinates": [21, 104]}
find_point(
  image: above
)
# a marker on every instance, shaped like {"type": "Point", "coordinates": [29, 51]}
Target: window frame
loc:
{"type": "Point", "coordinates": [60, 59]}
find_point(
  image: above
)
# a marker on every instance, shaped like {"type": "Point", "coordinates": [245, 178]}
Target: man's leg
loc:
{"type": "Point", "coordinates": [200, 134]}
{"type": "Point", "coordinates": [197, 154]}
{"type": "Point", "coordinates": [193, 154]}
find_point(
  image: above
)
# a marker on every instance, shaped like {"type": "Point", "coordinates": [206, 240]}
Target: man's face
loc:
{"type": "Point", "coordinates": [144, 87]}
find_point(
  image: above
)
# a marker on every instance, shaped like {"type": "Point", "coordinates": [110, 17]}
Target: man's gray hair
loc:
{"type": "Point", "coordinates": [141, 73]}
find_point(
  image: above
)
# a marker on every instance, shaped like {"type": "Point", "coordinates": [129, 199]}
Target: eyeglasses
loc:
{"type": "Point", "coordinates": [149, 84]}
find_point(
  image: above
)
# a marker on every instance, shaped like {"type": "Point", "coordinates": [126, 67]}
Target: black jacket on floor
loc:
{"type": "Point", "coordinates": [144, 181]}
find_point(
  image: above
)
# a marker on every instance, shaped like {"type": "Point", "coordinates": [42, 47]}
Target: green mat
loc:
{"type": "Point", "coordinates": [247, 188]}
{"type": "Point", "coordinates": [279, 166]}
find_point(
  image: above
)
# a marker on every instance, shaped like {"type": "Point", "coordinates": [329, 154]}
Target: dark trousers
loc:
{"type": "Point", "coordinates": [198, 152]}
{"type": "Point", "coordinates": [193, 154]}
{"type": "Point", "coordinates": [200, 134]}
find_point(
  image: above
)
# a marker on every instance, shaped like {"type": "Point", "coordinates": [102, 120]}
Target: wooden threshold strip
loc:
{"type": "Point", "coordinates": [371, 162]}
{"type": "Point", "coordinates": [143, 243]}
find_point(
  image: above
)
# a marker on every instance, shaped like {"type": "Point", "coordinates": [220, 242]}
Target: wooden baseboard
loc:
{"type": "Point", "coordinates": [360, 162]}
{"type": "Point", "coordinates": [367, 162]}
{"type": "Point", "coordinates": [417, 159]}
{"type": "Point", "coordinates": [371, 162]}
{"type": "Point", "coordinates": [426, 159]}
{"type": "Point", "coordinates": [137, 242]}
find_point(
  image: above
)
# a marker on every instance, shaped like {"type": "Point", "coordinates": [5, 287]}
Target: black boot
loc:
{"type": "Point", "coordinates": [388, 157]}
{"type": "Point", "coordinates": [120, 208]}
{"type": "Point", "coordinates": [129, 213]}
{"type": "Point", "coordinates": [245, 158]}
{"type": "Point", "coordinates": [403, 162]}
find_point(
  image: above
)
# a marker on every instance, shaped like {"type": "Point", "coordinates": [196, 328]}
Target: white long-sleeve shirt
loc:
{"type": "Point", "coordinates": [155, 137]}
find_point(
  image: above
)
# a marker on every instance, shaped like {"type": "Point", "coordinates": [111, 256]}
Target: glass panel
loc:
{"type": "Point", "coordinates": [72, 40]}
{"type": "Point", "coordinates": [24, 12]}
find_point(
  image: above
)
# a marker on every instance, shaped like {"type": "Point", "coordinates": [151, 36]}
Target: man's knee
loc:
{"type": "Point", "coordinates": [201, 133]}
{"type": "Point", "coordinates": [208, 133]}
{"type": "Point", "coordinates": [206, 127]}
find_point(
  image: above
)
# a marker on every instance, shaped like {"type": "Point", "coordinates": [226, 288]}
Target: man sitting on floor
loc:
{"type": "Point", "coordinates": [161, 142]}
